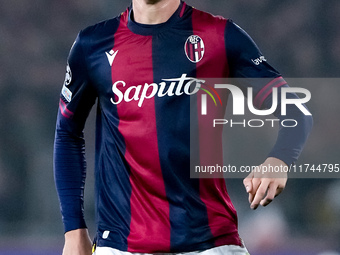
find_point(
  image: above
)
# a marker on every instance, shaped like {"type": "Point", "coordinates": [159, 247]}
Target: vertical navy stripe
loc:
{"type": "Point", "coordinates": [188, 214]}
{"type": "Point", "coordinates": [113, 188]}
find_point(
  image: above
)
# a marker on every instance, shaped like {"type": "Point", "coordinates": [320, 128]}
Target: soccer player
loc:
{"type": "Point", "coordinates": [140, 67]}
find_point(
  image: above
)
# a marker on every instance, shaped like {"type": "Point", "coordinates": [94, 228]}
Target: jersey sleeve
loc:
{"type": "Point", "coordinates": [251, 69]}
{"type": "Point", "coordinates": [76, 100]}
{"type": "Point", "coordinates": [244, 57]}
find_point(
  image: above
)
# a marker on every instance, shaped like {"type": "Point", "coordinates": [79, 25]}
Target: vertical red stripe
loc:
{"type": "Point", "coordinates": [221, 213]}
{"type": "Point", "coordinates": [191, 51]}
{"type": "Point", "coordinates": [150, 225]}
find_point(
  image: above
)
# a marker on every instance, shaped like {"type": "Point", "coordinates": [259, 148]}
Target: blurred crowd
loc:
{"type": "Point", "coordinates": [299, 37]}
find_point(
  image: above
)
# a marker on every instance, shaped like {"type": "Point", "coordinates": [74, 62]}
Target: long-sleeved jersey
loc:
{"type": "Point", "coordinates": [143, 77]}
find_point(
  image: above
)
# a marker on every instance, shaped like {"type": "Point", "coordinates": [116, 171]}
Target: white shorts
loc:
{"type": "Point", "coordinates": [221, 250]}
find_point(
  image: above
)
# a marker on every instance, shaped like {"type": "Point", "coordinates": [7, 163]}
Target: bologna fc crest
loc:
{"type": "Point", "coordinates": [194, 48]}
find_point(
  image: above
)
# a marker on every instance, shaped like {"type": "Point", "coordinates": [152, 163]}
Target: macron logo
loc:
{"type": "Point", "coordinates": [111, 56]}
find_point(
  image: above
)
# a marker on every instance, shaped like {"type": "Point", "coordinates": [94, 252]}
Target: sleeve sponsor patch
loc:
{"type": "Point", "coordinates": [66, 93]}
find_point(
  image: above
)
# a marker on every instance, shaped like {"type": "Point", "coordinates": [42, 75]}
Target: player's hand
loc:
{"type": "Point", "coordinates": [77, 242]}
{"type": "Point", "coordinates": [263, 187]}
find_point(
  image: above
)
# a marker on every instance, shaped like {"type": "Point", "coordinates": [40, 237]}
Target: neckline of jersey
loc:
{"type": "Point", "coordinates": [146, 29]}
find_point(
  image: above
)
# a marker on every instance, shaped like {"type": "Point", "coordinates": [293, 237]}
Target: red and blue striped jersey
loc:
{"type": "Point", "coordinates": [145, 199]}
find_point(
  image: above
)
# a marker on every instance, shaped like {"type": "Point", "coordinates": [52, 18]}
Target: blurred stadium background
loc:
{"type": "Point", "coordinates": [299, 37]}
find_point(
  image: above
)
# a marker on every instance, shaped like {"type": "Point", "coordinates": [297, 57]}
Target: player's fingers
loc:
{"type": "Point", "coordinates": [247, 182]}
{"type": "Point", "coordinates": [271, 194]}
{"type": "Point", "coordinates": [279, 189]}
{"type": "Point", "coordinates": [251, 197]}
{"type": "Point", "coordinates": [260, 193]}
{"type": "Point", "coordinates": [256, 182]}
{"type": "Point", "coordinates": [273, 191]}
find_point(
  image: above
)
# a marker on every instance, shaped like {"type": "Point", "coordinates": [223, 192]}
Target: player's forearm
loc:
{"type": "Point", "coordinates": [69, 174]}
{"type": "Point", "coordinates": [291, 140]}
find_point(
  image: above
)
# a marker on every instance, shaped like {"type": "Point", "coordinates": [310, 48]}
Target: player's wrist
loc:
{"type": "Point", "coordinates": [77, 234]}
{"type": "Point", "coordinates": [275, 161]}
{"type": "Point", "coordinates": [77, 242]}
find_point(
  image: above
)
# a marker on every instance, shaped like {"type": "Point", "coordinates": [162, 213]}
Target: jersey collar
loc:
{"type": "Point", "coordinates": [144, 29]}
